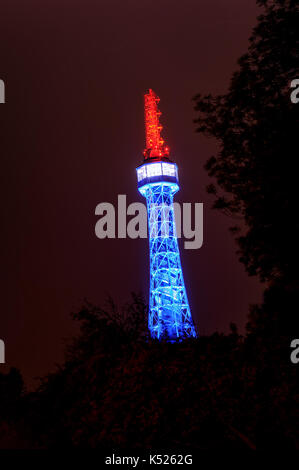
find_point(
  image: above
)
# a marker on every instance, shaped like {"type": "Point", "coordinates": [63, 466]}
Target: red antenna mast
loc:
{"type": "Point", "coordinates": [155, 147]}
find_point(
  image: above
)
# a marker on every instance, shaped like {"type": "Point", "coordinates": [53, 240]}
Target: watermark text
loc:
{"type": "Point", "coordinates": [2, 91]}
{"type": "Point", "coordinates": [163, 220]}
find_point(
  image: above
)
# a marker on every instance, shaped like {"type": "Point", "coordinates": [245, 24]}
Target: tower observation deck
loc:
{"type": "Point", "coordinates": [169, 312]}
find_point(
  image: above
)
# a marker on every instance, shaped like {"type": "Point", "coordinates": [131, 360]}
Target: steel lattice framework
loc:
{"type": "Point", "coordinates": [169, 312]}
{"type": "Point", "coordinates": [170, 315]}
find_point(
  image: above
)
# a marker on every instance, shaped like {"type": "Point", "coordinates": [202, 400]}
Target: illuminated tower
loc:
{"type": "Point", "coordinates": [169, 311]}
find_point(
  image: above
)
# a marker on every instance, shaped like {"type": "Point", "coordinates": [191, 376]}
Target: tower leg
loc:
{"type": "Point", "coordinates": [169, 312]}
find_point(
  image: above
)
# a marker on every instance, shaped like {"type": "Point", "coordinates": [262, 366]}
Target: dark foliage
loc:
{"type": "Point", "coordinates": [119, 389]}
{"type": "Point", "coordinates": [256, 126]}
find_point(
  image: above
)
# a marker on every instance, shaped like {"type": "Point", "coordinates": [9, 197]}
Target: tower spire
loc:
{"type": "Point", "coordinates": [155, 147]}
{"type": "Point", "coordinates": [169, 312]}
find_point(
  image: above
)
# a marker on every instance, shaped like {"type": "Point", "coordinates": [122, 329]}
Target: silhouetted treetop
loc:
{"type": "Point", "coordinates": [256, 126]}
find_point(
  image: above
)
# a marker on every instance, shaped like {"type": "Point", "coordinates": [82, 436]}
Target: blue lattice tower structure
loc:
{"type": "Point", "coordinates": [169, 312]}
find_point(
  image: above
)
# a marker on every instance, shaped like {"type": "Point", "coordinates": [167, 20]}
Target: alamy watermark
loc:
{"type": "Point", "coordinates": [2, 91]}
{"type": "Point", "coordinates": [2, 352]}
{"type": "Point", "coordinates": [187, 226]}
{"type": "Point", "coordinates": [295, 93]}
{"type": "Point", "coordinates": [295, 353]}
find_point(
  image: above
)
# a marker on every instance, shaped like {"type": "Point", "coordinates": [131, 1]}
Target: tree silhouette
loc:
{"type": "Point", "coordinates": [119, 389]}
{"type": "Point", "coordinates": [256, 126]}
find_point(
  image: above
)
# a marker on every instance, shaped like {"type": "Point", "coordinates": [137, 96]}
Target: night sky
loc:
{"type": "Point", "coordinates": [72, 134]}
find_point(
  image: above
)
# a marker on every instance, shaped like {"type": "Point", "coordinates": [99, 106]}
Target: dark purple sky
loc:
{"type": "Point", "coordinates": [72, 133]}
